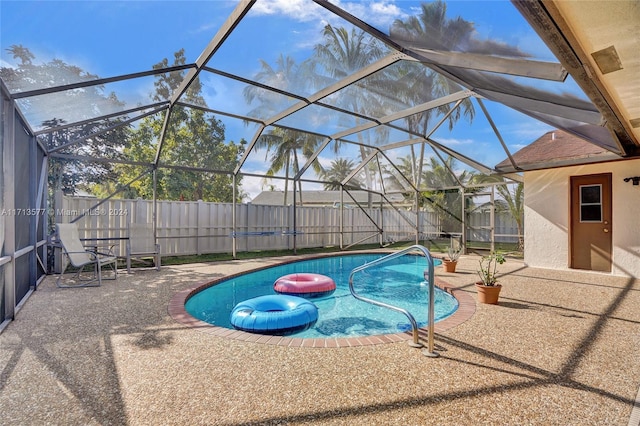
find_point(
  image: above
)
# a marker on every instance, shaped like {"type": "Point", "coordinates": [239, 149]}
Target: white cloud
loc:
{"type": "Point", "coordinates": [455, 141]}
{"type": "Point", "coordinates": [325, 161]}
{"type": "Point", "coordinates": [253, 186]}
{"type": "Point", "coordinates": [297, 9]}
{"type": "Point", "coordinates": [381, 13]}
{"type": "Point", "coordinates": [221, 96]}
{"type": "Point", "coordinates": [523, 132]}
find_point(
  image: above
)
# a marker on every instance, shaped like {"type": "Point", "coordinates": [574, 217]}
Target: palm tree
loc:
{"type": "Point", "coordinates": [341, 54]}
{"type": "Point", "coordinates": [339, 170]}
{"type": "Point", "coordinates": [287, 76]}
{"type": "Point", "coordinates": [514, 198]}
{"type": "Point", "coordinates": [420, 84]}
{"type": "Point", "coordinates": [283, 146]}
{"type": "Point", "coordinates": [513, 202]}
{"type": "Point", "coordinates": [286, 147]}
{"type": "Point", "coordinates": [407, 166]}
{"type": "Point", "coordinates": [433, 30]}
{"type": "Point", "coordinates": [448, 205]}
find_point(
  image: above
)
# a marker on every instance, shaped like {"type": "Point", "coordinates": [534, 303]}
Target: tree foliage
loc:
{"type": "Point", "coordinates": [511, 201]}
{"type": "Point", "coordinates": [69, 175]}
{"type": "Point", "coordinates": [285, 148]}
{"type": "Point", "coordinates": [194, 138]}
{"type": "Point", "coordinates": [446, 202]}
{"type": "Point", "coordinates": [339, 169]}
{"type": "Point", "coordinates": [194, 143]}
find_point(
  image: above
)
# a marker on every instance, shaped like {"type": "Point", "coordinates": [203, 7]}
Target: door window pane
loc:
{"type": "Point", "coordinates": [591, 203]}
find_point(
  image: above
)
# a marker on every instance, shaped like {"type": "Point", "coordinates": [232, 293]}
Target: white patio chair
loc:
{"type": "Point", "coordinates": [141, 244]}
{"type": "Point", "coordinates": [80, 257]}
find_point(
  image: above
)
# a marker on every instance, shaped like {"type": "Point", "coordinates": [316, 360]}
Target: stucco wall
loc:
{"type": "Point", "coordinates": [547, 216]}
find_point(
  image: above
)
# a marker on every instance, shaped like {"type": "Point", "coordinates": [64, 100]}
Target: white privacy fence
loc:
{"type": "Point", "coordinates": [479, 227]}
{"type": "Point", "coordinates": [197, 227]}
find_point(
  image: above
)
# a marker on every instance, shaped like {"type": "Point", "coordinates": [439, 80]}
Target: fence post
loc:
{"type": "Point", "coordinates": [199, 215]}
{"type": "Point", "coordinates": [341, 217]}
{"type": "Point", "coordinates": [381, 242]}
{"type": "Point", "coordinates": [463, 236]}
{"type": "Point", "coordinates": [234, 230]}
{"type": "Point", "coordinates": [418, 223]}
{"type": "Point", "coordinates": [492, 218]}
{"type": "Point", "coordinates": [59, 201]}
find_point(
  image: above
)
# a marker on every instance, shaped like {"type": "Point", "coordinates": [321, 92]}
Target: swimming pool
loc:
{"type": "Point", "coordinates": [399, 282]}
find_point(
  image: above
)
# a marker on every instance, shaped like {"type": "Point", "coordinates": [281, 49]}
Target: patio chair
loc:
{"type": "Point", "coordinates": [142, 245]}
{"type": "Point", "coordinates": [80, 257]}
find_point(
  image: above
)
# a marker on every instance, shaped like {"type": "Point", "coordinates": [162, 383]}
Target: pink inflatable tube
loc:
{"type": "Point", "coordinates": [305, 285]}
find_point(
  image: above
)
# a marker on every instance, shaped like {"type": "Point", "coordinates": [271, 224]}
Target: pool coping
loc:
{"type": "Point", "coordinates": [466, 309]}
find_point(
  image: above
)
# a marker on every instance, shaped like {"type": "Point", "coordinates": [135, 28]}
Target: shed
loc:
{"type": "Point", "coordinates": [579, 216]}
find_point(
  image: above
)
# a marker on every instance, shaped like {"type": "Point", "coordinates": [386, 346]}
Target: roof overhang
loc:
{"type": "Point", "coordinates": [598, 44]}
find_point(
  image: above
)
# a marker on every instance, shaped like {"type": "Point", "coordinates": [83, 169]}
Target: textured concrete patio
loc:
{"type": "Point", "coordinates": [561, 348]}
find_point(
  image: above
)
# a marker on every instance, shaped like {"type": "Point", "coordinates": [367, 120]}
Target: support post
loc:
{"type": "Point", "coordinates": [9, 186]}
{"type": "Point", "coordinates": [234, 246]}
{"type": "Point", "coordinates": [154, 208]}
{"type": "Point", "coordinates": [417, 207]}
{"type": "Point", "coordinates": [341, 217]}
{"type": "Point", "coordinates": [295, 223]}
{"type": "Point", "coordinates": [463, 236]}
{"type": "Point", "coordinates": [492, 219]}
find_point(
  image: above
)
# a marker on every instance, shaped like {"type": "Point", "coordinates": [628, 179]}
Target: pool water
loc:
{"type": "Point", "coordinates": [399, 282]}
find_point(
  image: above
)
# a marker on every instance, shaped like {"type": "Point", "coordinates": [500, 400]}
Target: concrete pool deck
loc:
{"type": "Point", "coordinates": [561, 348]}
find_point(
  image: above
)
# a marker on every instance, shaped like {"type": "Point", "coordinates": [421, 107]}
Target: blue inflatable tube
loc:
{"type": "Point", "coordinates": [274, 314]}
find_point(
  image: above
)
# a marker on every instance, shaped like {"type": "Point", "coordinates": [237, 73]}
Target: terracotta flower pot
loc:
{"type": "Point", "coordinates": [488, 294]}
{"type": "Point", "coordinates": [449, 265]}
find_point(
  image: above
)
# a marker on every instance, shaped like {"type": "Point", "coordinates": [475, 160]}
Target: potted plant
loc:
{"type": "Point", "coordinates": [450, 262]}
{"type": "Point", "coordinates": [488, 287]}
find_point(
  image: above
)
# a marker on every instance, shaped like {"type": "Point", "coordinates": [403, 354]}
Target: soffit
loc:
{"type": "Point", "coordinates": [600, 25]}
{"type": "Point", "coordinates": [608, 28]}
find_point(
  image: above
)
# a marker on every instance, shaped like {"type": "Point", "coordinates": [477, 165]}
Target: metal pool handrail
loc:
{"type": "Point", "coordinates": [429, 276]}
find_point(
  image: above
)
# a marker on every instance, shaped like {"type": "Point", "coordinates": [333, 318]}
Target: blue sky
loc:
{"type": "Point", "coordinates": [110, 38]}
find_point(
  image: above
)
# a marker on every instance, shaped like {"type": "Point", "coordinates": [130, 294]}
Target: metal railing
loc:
{"type": "Point", "coordinates": [429, 277]}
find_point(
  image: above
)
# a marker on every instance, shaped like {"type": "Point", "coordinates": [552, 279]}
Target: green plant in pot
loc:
{"type": "Point", "coordinates": [488, 287]}
{"type": "Point", "coordinates": [455, 250]}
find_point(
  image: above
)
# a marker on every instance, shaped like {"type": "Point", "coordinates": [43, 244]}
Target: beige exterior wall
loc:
{"type": "Point", "coordinates": [547, 216]}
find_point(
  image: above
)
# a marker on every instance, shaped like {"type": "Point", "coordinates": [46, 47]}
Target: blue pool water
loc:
{"type": "Point", "coordinates": [399, 282]}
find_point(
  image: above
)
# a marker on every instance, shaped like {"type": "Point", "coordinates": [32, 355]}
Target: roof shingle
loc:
{"type": "Point", "coordinates": [554, 149]}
